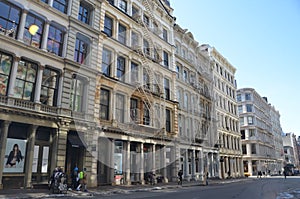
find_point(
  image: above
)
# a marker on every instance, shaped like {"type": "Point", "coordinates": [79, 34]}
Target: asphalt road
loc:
{"type": "Point", "coordinates": [265, 188]}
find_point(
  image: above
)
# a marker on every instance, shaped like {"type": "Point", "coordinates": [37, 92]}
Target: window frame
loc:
{"type": "Point", "coordinates": [48, 87]}
{"type": "Point", "coordinates": [11, 25]}
{"type": "Point", "coordinates": [108, 26]}
{"type": "Point", "coordinates": [84, 13]}
{"type": "Point", "coordinates": [121, 68]}
{"type": "Point", "coordinates": [80, 51]}
{"type": "Point", "coordinates": [104, 104]}
{"type": "Point", "coordinates": [168, 120]}
{"type": "Point", "coordinates": [108, 53]}
{"type": "Point", "coordinates": [123, 5]}
{"type": "Point", "coordinates": [74, 96]}
{"type": "Point", "coordinates": [52, 41]}
{"type": "Point", "coordinates": [120, 111]}
{"type": "Point", "coordinates": [5, 72]}
{"type": "Point", "coordinates": [61, 6]}
{"type": "Point", "coordinates": [122, 34]}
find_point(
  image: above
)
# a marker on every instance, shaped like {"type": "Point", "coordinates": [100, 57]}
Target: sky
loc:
{"type": "Point", "coordinates": [260, 38]}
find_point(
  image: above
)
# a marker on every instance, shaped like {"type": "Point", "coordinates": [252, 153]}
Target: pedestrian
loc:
{"type": "Point", "coordinates": [82, 180]}
{"type": "Point", "coordinates": [285, 174]}
{"type": "Point", "coordinates": [75, 178]}
{"type": "Point", "coordinates": [228, 173]}
{"type": "Point", "coordinates": [206, 183]}
{"type": "Point", "coordinates": [180, 173]}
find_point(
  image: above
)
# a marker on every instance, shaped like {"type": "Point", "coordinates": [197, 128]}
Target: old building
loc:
{"type": "Point", "coordinates": [197, 132]}
{"type": "Point", "coordinates": [291, 156]}
{"type": "Point", "coordinates": [229, 139]}
{"type": "Point", "coordinates": [257, 129]}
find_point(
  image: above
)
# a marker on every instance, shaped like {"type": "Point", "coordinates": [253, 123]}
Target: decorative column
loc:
{"type": "Point", "coordinates": [127, 177]}
{"type": "Point", "coordinates": [45, 35]}
{"type": "Point", "coordinates": [226, 165]}
{"type": "Point", "coordinates": [29, 157]}
{"type": "Point", "coordinates": [193, 165]}
{"type": "Point", "coordinates": [60, 89]}
{"type": "Point", "coordinates": [142, 163]}
{"type": "Point", "coordinates": [164, 163]}
{"type": "Point", "coordinates": [186, 164]}
{"type": "Point", "coordinates": [201, 163]}
{"type": "Point", "coordinates": [21, 27]}
{"type": "Point", "coordinates": [111, 166]}
{"type": "Point", "coordinates": [3, 139]}
{"type": "Point", "coordinates": [38, 85]}
{"type": "Point", "coordinates": [13, 75]}
{"type": "Point", "coordinates": [65, 44]}
{"type": "Point", "coordinates": [153, 158]}
{"type": "Point", "coordinates": [61, 145]}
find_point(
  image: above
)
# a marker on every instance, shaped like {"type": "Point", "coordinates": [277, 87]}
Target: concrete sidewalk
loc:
{"type": "Point", "coordinates": [108, 189]}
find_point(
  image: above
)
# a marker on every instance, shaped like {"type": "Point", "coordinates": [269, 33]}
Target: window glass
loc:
{"type": "Point", "coordinates": [61, 5]}
{"type": "Point", "coordinates": [120, 101]}
{"type": "Point", "coordinates": [134, 72]}
{"type": "Point", "coordinates": [121, 68]}
{"type": "Point", "coordinates": [122, 34]}
{"type": "Point", "coordinates": [9, 19]}
{"type": "Point", "coordinates": [36, 39]}
{"type": "Point", "coordinates": [134, 112]}
{"type": "Point", "coordinates": [6, 62]}
{"type": "Point", "coordinates": [84, 13]}
{"type": "Point", "coordinates": [146, 116]}
{"type": "Point", "coordinates": [25, 80]}
{"type": "Point", "coordinates": [106, 62]}
{"type": "Point", "coordinates": [77, 89]}
{"type": "Point", "coordinates": [146, 47]}
{"type": "Point", "coordinates": [134, 40]}
{"type": "Point", "coordinates": [166, 59]}
{"type": "Point", "coordinates": [168, 120]}
{"type": "Point", "coordinates": [123, 5]}
{"type": "Point", "coordinates": [104, 104]}
{"type": "Point", "coordinates": [55, 40]}
{"type": "Point", "coordinates": [80, 53]}
{"type": "Point", "coordinates": [165, 35]}
{"type": "Point", "coordinates": [49, 87]}
{"type": "Point", "coordinates": [167, 88]}
{"type": "Point", "coordinates": [146, 79]}
{"type": "Point", "coordinates": [108, 26]}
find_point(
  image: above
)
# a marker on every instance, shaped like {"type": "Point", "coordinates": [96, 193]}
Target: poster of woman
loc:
{"type": "Point", "coordinates": [14, 156]}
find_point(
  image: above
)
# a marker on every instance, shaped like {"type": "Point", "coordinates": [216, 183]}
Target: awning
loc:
{"type": "Point", "coordinates": [76, 139]}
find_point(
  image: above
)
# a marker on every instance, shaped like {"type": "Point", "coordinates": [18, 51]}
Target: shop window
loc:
{"type": "Point", "coordinates": [118, 158]}
{"type": "Point", "coordinates": [120, 111]}
{"type": "Point", "coordinates": [36, 39]}
{"type": "Point", "coordinates": [81, 51]}
{"type": "Point", "coordinates": [6, 62]}
{"type": "Point", "coordinates": [77, 94]}
{"type": "Point", "coordinates": [84, 13]}
{"type": "Point", "coordinates": [122, 34]}
{"type": "Point", "coordinates": [108, 26]}
{"type": "Point", "coordinates": [61, 5]}
{"type": "Point", "coordinates": [123, 5]}
{"type": "Point", "coordinates": [106, 61]}
{"type": "Point", "coordinates": [104, 104]}
{"type": "Point", "coordinates": [25, 80]}
{"type": "Point", "coordinates": [121, 68]}
{"type": "Point", "coordinates": [49, 88]}
{"type": "Point", "coordinates": [146, 116]}
{"type": "Point", "coordinates": [55, 40]}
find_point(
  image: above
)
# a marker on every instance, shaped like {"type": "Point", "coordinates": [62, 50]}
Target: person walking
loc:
{"type": "Point", "coordinates": [75, 178]}
{"type": "Point", "coordinates": [180, 173]}
{"type": "Point", "coordinates": [285, 174]}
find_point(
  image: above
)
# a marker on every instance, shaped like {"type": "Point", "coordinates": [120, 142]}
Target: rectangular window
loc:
{"type": "Point", "coordinates": [122, 34]}
{"type": "Point", "coordinates": [61, 5]}
{"type": "Point", "coordinates": [84, 13]}
{"type": "Point", "coordinates": [104, 104]}
{"type": "Point", "coordinates": [168, 120]}
{"type": "Point", "coordinates": [165, 35]}
{"type": "Point", "coordinates": [146, 116]}
{"type": "Point", "coordinates": [146, 20]}
{"type": "Point", "coordinates": [55, 40]}
{"type": "Point", "coordinates": [156, 84]}
{"type": "Point", "coordinates": [106, 62]}
{"type": "Point", "coordinates": [134, 72]}
{"type": "Point", "coordinates": [249, 107]}
{"type": "Point", "coordinates": [244, 150]}
{"type": "Point", "coordinates": [247, 96]}
{"type": "Point", "coordinates": [167, 88]}
{"type": "Point", "coordinates": [80, 53]}
{"type": "Point", "coordinates": [185, 75]}
{"type": "Point", "coordinates": [120, 101]}
{"type": "Point", "coordinates": [239, 97]}
{"type": "Point", "coordinates": [146, 79]}
{"type": "Point", "coordinates": [146, 47]}
{"type": "Point", "coordinates": [251, 132]}
{"type": "Point", "coordinates": [241, 121]}
{"type": "Point", "coordinates": [166, 59]}
{"type": "Point", "coordinates": [135, 11]}
{"type": "Point", "coordinates": [240, 109]}
{"type": "Point", "coordinates": [6, 65]}
{"type": "Point", "coordinates": [121, 68]}
{"type": "Point", "coordinates": [177, 71]}
{"type": "Point", "coordinates": [250, 120]}
{"type": "Point", "coordinates": [112, 2]}
{"type": "Point", "coordinates": [123, 6]}
{"type": "Point", "coordinates": [35, 39]}
{"type": "Point", "coordinates": [49, 87]}
{"type": "Point", "coordinates": [243, 134]}
{"type": "Point", "coordinates": [134, 112]}
{"type": "Point", "coordinates": [134, 40]}
{"type": "Point", "coordinates": [9, 19]}
{"type": "Point", "coordinates": [25, 80]}
{"type": "Point", "coordinates": [253, 148]}
{"type": "Point", "coordinates": [180, 125]}
{"type": "Point", "coordinates": [108, 26]}
{"type": "Point", "coordinates": [77, 89]}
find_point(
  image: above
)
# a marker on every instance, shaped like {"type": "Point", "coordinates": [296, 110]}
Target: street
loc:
{"type": "Point", "coordinates": [265, 188]}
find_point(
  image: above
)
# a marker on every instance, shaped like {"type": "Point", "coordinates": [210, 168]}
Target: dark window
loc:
{"type": "Point", "coordinates": [25, 80]}
{"type": "Point", "coordinates": [146, 20]}
{"type": "Point", "coordinates": [167, 88]}
{"type": "Point", "coordinates": [104, 104]}
{"type": "Point", "coordinates": [244, 149]}
{"type": "Point", "coordinates": [120, 101]}
{"type": "Point", "coordinates": [146, 47]}
{"type": "Point", "coordinates": [247, 96]}
{"type": "Point", "coordinates": [106, 62]}
{"type": "Point", "coordinates": [77, 92]}
{"type": "Point", "coordinates": [135, 11]}
{"type": "Point", "coordinates": [166, 59]}
{"type": "Point", "coordinates": [112, 2]}
{"type": "Point", "coordinates": [122, 34]}
{"type": "Point", "coordinates": [146, 116]}
{"type": "Point", "coordinates": [6, 65]}
{"type": "Point", "coordinates": [108, 26]}
{"type": "Point", "coordinates": [243, 134]}
{"type": "Point", "coordinates": [253, 148]}
{"type": "Point", "coordinates": [168, 120]}
{"type": "Point", "coordinates": [55, 40]}
{"type": "Point", "coordinates": [249, 107]}
{"type": "Point", "coordinates": [9, 19]}
{"type": "Point", "coordinates": [61, 5]}
{"type": "Point", "coordinates": [45, 1]}
{"type": "Point", "coordinates": [36, 39]}
{"type": "Point", "coordinates": [123, 5]}
{"type": "Point", "coordinates": [177, 71]}
{"type": "Point", "coordinates": [165, 35]}
{"type": "Point", "coordinates": [49, 87]}
{"type": "Point", "coordinates": [80, 51]}
{"type": "Point", "coordinates": [134, 115]}
{"type": "Point", "coordinates": [121, 68]}
{"type": "Point", "coordinates": [84, 13]}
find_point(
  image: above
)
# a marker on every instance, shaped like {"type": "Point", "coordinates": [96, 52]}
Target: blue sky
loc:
{"type": "Point", "coordinates": [260, 38]}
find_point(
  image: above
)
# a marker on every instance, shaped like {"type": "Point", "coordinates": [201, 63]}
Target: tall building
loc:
{"type": "Point", "coordinates": [291, 156]}
{"type": "Point", "coordinates": [196, 129]}
{"type": "Point", "coordinates": [228, 137]}
{"type": "Point", "coordinates": [260, 126]}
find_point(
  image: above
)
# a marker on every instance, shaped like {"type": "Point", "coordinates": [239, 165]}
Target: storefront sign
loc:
{"type": "Point", "coordinates": [14, 156]}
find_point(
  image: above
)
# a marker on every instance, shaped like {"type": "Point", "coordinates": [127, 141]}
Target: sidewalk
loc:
{"type": "Point", "coordinates": [108, 189]}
